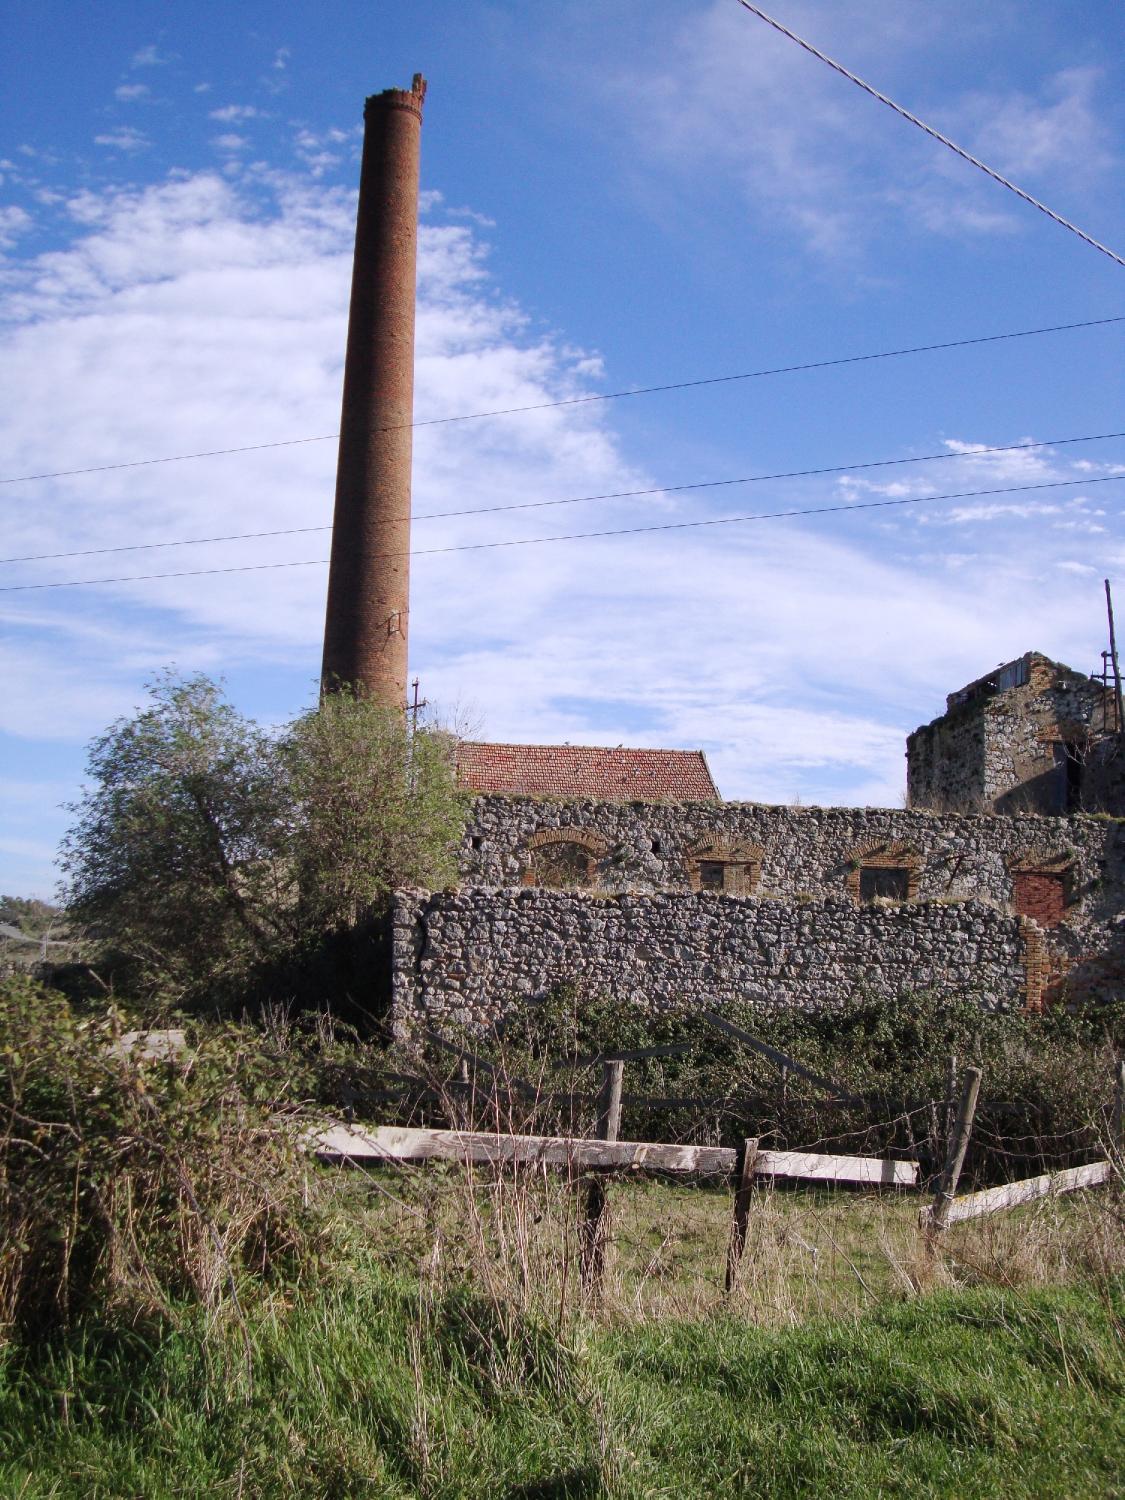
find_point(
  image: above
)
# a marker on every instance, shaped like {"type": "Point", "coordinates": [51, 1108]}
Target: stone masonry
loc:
{"type": "Point", "coordinates": [1032, 736]}
{"type": "Point", "coordinates": [1015, 911]}
{"type": "Point", "coordinates": [468, 957]}
{"type": "Point", "coordinates": [802, 853]}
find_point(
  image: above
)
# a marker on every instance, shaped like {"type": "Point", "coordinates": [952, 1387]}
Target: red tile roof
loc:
{"type": "Point", "coordinates": [587, 771]}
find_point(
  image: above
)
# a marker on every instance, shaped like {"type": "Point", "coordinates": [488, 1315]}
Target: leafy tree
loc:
{"type": "Point", "coordinates": [376, 808]}
{"type": "Point", "coordinates": [176, 854]}
{"type": "Point", "coordinates": [206, 851]}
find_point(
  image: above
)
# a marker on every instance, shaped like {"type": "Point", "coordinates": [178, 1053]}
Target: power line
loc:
{"type": "Point", "coordinates": [512, 411]}
{"type": "Point", "coordinates": [660, 489]}
{"type": "Point", "coordinates": [930, 131]}
{"type": "Point", "coordinates": [580, 536]}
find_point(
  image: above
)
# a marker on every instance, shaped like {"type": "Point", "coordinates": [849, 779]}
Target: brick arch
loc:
{"type": "Point", "coordinates": [593, 846]}
{"type": "Point", "coordinates": [884, 854]}
{"type": "Point", "coordinates": [739, 865]}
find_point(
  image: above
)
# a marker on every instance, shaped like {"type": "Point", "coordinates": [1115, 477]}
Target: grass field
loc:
{"type": "Point", "coordinates": [450, 1354]}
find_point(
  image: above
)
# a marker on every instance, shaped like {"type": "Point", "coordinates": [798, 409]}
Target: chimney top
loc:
{"type": "Point", "coordinates": [410, 98]}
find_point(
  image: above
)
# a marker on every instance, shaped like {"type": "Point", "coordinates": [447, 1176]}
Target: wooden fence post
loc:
{"type": "Point", "coordinates": [609, 1101]}
{"type": "Point", "coordinates": [950, 1096]}
{"type": "Point", "coordinates": [594, 1229]}
{"type": "Point", "coordinates": [464, 1088]}
{"type": "Point", "coordinates": [1117, 1128]}
{"type": "Point", "coordinates": [958, 1145]}
{"type": "Point", "coordinates": [747, 1159]}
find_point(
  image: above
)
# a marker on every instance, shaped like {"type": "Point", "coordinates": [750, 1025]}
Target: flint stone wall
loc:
{"type": "Point", "coordinates": [470, 956]}
{"type": "Point", "coordinates": [806, 852]}
{"type": "Point", "coordinates": [1002, 750]}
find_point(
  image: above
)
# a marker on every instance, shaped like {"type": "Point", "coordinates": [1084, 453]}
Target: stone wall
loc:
{"type": "Point", "coordinates": [1005, 748]}
{"type": "Point", "coordinates": [1023, 909]}
{"type": "Point", "coordinates": [469, 956]}
{"type": "Point", "coordinates": [802, 853]}
{"type": "Point", "coordinates": [945, 765]}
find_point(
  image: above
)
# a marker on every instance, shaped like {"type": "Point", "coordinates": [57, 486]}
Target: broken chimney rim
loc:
{"type": "Point", "coordinates": [409, 99]}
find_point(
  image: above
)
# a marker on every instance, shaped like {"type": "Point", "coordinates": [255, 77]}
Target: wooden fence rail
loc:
{"type": "Point", "coordinates": [344, 1143]}
{"type": "Point", "coordinates": [1012, 1194]}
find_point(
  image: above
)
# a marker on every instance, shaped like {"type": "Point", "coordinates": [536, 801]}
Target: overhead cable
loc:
{"type": "Point", "coordinates": [930, 131]}
{"type": "Point", "coordinates": [580, 536]}
{"type": "Point", "coordinates": [660, 489]}
{"type": "Point", "coordinates": [513, 411]}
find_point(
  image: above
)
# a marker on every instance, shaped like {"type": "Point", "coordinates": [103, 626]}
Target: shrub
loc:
{"type": "Point", "coordinates": [128, 1185]}
{"type": "Point", "coordinates": [1046, 1091]}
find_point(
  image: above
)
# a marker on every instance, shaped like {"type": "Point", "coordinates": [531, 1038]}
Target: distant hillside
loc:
{"type": "Point", "coordinates": [32, 917]}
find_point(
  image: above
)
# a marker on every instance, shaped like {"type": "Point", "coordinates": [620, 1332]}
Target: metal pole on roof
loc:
{"type": "Point", "coordinates": [1113, 657]}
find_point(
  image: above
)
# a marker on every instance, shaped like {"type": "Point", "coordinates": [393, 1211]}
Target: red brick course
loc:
{"type": "Point", "coordinates": [586, 771]}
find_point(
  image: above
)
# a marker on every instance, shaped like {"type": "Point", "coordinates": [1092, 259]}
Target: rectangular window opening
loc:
{"type": "Point", "coordinates": [883, 883]}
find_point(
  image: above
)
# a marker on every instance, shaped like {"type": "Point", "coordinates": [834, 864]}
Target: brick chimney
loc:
{"type": "Point", "coordinates": [365, 628]}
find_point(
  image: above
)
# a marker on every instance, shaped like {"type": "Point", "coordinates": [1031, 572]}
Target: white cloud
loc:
{"type": "Point", "coordinates": [149, 57]}
{"type": "Point", "coordinates": [1049, 138]}
{"type": "Point", "coordinates": [733, 107]}
{"type": "Point", "coordinates": [320, 152]}
{"type": "Point", "coordinates": [185, 317]}
{"type": "Point", "coordinates": [229, 113]}
{"type": "Point", "coordinates": [229, 142]}
{"type": "Point", "coordinates": [131, 93]}
{"type": "Point", "coordinates": [124, 138]}
{"type": "Point", "coordinates": [14, 222]}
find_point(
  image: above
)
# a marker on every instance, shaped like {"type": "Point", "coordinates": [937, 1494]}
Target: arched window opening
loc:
{"type": "Point", "coordinates": [563, 858]}
{"type": "Point", "coordinates": [562, 865]}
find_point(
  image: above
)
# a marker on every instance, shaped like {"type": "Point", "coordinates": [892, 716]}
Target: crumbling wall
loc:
{"type": "Point", "coordinates": [1024, 747]}
{"type": "Point", "coordinates": [470, 956]}
{"type": "Point", "coordinates": [945, 762]}
{"type": "Point", "coordinates": [804, 853]}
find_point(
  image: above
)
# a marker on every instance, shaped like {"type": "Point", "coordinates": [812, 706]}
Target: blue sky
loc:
{"type": "Point", "coordinates": [616, 196]}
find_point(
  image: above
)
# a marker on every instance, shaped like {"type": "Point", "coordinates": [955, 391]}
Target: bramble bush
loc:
{"type": "Point", "coordinates": [1044, 1104]}
{"type": "Point", "coordinates": [129, 1186]}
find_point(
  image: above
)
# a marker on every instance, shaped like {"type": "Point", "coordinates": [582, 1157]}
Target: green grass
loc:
{"type": "Point", "coordinates": [810, 1251]}
{"type": "Point", "coordinates": [374, 1388]}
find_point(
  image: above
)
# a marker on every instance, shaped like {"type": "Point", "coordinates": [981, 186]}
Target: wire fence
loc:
{"type": "Point", "coordinates": [453, 1086]}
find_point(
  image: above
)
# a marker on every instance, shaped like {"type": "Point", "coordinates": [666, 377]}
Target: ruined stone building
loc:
{"type": "Point", "coordinates": [1031, 736]}
{"type": "Point", "coordinates": [650, 898]}
{"type": "Point", "coordinates": [624, 871]}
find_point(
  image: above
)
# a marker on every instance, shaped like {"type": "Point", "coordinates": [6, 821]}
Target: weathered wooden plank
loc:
{"type": "Point", "coordinates": [955, 1156]}
{"type": "Point", "coordinates": [813, 1166]}
{"type": "Point", "coordinates": [778, 1058]}
{"type": "Point", "coordinates": [609, 1101]}
{"type": "Point", "coordinates": [595, 1225]}
{"type": "Point", "coordinates": [401, 1143]}
{"type": "Point", "coordinates": [1012, 1194]}
{"type": "Point", "coordinates": [405, 1143]}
